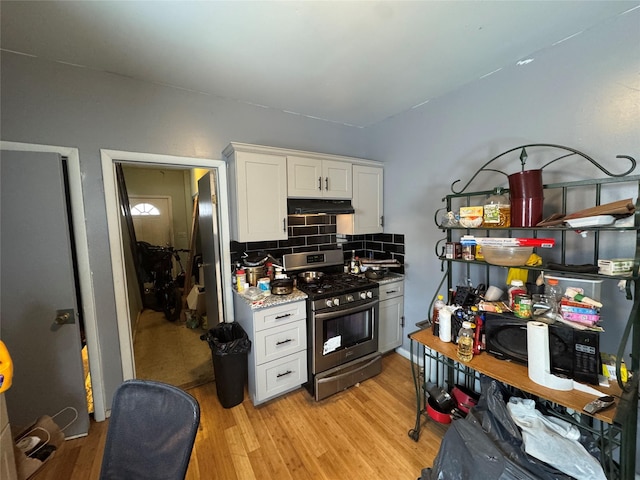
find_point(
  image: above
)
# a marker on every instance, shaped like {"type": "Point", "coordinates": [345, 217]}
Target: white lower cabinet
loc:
{"type": "Point", "coordinates": [391, 315]}
{"type": "Point", "coordinates": [278, 355]}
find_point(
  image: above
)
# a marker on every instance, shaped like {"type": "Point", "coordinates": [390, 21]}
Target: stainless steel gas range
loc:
{"type": "Point", "coordinates": [342, 322]}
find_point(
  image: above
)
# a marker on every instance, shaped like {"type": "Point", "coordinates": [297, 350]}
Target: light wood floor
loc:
{"type": "Point", "coordinates": [170, 352]}
{"type": "Point", "coordinates": [360, 433]}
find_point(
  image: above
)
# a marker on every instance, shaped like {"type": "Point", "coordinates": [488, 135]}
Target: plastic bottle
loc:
{"type": "Point", "coordinates": [497, 210]}
{"type": "Point", "coordinates": [444, 330]}
{"type": "Point", "coordinates": [478, 342]}
{"type": "Point", "coordinates": [516, 288]}
{"type": "Point", "coordinates": [437, 306]}
{"type": "Point", "coordinates": [241, 279]}
{"type": "Point", "coordinates": [553, 289]}
{"type": "Point", "coordinates": [465, 342]}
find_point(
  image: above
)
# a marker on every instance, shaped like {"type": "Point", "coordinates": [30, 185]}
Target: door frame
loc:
{"type": "Point", "coordinates": [109, 159]}
{"type": "Point", "coordinates": [88, 304]}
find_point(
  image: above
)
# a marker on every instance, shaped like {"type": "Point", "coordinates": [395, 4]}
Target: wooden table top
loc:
{"type": "Point", "coordinates": [517, 375]}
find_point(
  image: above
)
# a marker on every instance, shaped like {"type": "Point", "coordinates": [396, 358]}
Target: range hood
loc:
{"type": "Point", "coordinates": [301, 206]}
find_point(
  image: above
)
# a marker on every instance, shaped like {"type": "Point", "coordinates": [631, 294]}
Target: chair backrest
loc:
{"type": "Point", "coordinates": [151, 432]}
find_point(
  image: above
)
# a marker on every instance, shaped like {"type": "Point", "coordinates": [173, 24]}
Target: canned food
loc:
{"type": "Point", "coordinates": [453, 250]}
{"type": "Point", "coordinates": [522, 306]}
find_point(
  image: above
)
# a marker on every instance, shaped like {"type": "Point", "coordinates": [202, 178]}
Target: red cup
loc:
{"type": "Point", "coordinates": [526, 184]}
{"type": "Point", "coordinates": [526, 212]}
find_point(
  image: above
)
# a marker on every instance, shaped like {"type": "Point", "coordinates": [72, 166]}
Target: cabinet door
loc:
{"type": "Point", "coordinates": [261, 197]}
{"type": "Point", "coordinates": [367, 199]}
{"type": "Point", "coordinates": [317, 178]}
{"type": "Point", "coordinates": [304, 177]}
{"type": "Point", "coordinates": [390, 331]}
{"type": "Point", "coordinates": [337, 178]}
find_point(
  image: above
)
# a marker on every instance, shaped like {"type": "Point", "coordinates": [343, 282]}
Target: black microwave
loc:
{"type": "Point", "coordinates": [573, 353]}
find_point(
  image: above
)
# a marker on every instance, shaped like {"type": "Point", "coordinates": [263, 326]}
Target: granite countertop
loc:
{"type": "Point", "coordinates": [272, 300]}
{"type": "Point", "coordinates": [390, 277]}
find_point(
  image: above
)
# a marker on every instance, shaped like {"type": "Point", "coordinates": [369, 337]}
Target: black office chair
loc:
{"type": "Point", "coordinates": [151, 432]}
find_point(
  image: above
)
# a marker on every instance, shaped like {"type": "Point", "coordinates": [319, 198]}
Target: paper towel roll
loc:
{"type": "Point", "coordinates": [539, 362]}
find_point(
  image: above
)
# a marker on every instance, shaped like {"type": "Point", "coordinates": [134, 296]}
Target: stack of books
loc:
{"type": "Point", "coordinates": [579, 312]}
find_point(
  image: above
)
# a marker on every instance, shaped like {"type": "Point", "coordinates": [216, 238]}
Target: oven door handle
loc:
{"type": "Point", "coordinates": [333, 378]}
{"type": "Point", "coordinates": [346, 311]}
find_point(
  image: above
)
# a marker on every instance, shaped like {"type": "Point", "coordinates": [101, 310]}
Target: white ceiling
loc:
{"type": "Point", "coordinates": [348, 62]}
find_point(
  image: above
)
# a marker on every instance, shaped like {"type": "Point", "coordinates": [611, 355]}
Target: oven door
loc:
{"type": "Point", "coordinates": [341, 336]}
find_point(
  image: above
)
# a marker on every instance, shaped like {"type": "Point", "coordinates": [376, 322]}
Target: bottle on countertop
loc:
{"type": "Point", "coordinates": [497, 210]}
{"type": "Point", "coordinates": [354, 264]}
{"type": "Point", "coordinates": [516, 288]}
{"type": "Point", "coordinates": [241, 279]}
{"type": "Point", "coordinates": [465, 342]}
{"type": "Point", "coordinates": [270, 271]}
{"type": "Point", "coordinates": [437, 306]}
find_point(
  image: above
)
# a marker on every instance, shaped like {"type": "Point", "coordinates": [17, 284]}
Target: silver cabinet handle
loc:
{"type": "Point", "coordinates": [284, 224]}
{"type": "Point", "coordinates": [326, 183]}
{"type": "Point", "coordinates": [319, 183]}
{"type": "Point", "coordinates": [288, 372]}
{"type": "Point", "coordinates": [278, 317]}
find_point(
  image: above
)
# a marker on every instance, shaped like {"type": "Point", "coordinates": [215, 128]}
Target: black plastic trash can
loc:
{"type": "Point", "coordinates": [230, 346]}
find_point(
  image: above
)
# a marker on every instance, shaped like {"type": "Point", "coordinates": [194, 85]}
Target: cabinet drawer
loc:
{"type": "Point", "coordinates": [390, 290]}
{"type": "Point", "coordinates": [277, 342]}
{"type": "Point", "coordinates": [279, 315]}
{"type": "Point", "coordinates": [279, 376]}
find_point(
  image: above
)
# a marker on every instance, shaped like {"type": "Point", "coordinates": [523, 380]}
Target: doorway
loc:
{"type": "Point", "coordinates": [123, 313]}
{"type": "Point", "coordinates": [161, 201]}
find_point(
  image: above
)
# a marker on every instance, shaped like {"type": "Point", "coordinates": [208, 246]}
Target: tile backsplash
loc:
{"type": "Point", "coordinates": [308, 233]}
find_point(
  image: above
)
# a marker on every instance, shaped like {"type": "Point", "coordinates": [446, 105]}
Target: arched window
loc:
{"type": "Point", "coordinates": [144, 209]}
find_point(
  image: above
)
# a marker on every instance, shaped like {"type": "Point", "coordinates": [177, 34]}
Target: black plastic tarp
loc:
{"type": "Point", "coordinates": [488, 444]}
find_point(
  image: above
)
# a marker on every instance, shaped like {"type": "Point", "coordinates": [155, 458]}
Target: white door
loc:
{"type": "Point", "coordinates": [38, 308]}
{"type": "Point", "coordinates": [152, 219]}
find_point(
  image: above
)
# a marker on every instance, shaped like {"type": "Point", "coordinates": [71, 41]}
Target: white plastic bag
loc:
{"type": "Point", "coordinates": [553, 441]}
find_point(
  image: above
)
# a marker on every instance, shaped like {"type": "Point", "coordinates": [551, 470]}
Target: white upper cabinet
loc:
{"type": "Point", "coordinates": [258, 189]}
{"type": "Point", "coordinates": [367, 203]}
{"type": "Point", "coordinates": [318, 178]}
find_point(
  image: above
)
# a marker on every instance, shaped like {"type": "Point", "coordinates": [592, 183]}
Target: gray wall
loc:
{"type": "Point", "coordinates": [583, 93]}
{"type": "Point", "coordinates": [54, 104]}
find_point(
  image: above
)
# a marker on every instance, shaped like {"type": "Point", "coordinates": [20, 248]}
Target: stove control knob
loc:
{"type": "Point", "coordinates": [336, 301]}
{"type": "Point", "coordinates": [349, 298]}
{"type": "Point", "coordinates": [329, 302]}
{"type": "Point", "coordinates": [369, 294]}
{"type": "Point", "coordinates": [363, 295]}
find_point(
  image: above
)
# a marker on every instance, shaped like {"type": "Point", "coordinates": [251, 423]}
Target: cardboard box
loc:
{"type": "Point", "coordinates": [615, 266]}
{"type": "Point", "coordinates": [196, 300]}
